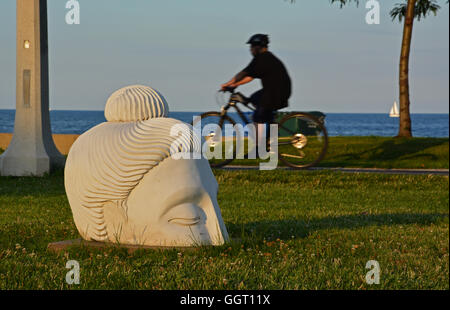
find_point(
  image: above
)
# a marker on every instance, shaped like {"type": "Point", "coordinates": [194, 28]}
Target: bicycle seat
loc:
{"type": "Point", "coordinates": [238, 97]}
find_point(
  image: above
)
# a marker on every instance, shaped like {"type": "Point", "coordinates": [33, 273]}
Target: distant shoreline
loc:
{"type": "Point", "coordinates": [338, 124]}
{"type": "Point", "coordinates": [335, 113]}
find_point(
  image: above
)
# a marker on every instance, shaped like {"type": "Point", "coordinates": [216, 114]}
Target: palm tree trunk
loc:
{"type": "Point", "coordinates": [405, 118]}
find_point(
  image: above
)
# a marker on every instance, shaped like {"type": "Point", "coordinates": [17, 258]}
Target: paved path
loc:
{"type": "Point", "coordinates": [444, 172]}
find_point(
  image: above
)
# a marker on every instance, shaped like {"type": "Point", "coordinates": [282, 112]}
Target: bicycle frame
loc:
{"type": "Point", "coordinates": [234, 104]}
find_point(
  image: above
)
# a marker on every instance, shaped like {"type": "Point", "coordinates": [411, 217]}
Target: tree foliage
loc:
{"type": "Point", "coordinates": [422, 10]}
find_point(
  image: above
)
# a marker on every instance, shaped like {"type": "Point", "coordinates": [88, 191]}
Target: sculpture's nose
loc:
{"type": "Point", "coordinates": [215, 226]}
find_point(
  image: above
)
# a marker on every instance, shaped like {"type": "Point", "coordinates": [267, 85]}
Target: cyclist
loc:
{"type": "Point", "coordinates": [274, 77]}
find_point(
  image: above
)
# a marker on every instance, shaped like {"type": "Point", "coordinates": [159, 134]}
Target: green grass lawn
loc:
{"type": "Point", "coordinates": [380, 152]}
{"type": "Point", "coordinates": [296, 230]}
{"type": "Point", "coordinates": [377, 152]}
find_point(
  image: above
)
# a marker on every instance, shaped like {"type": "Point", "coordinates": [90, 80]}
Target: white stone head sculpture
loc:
{"type": "Point", "coordinates": [124, 184]}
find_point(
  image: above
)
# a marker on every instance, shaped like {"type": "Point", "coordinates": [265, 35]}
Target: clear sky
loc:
{"type": "Point", "coordinates": [187, 48]}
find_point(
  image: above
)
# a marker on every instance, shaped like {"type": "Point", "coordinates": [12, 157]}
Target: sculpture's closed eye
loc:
{"type": "Point", "coordinates": [185, 222]}
{"type": "Point", "coordinates": [186, 214]}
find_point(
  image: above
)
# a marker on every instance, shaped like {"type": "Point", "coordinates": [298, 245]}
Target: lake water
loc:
{"type": "Point", "coordinates": [338, 124]}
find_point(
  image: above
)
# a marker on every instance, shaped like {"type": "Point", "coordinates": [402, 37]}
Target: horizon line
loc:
{"type": "Point", "coordinates": [309, 110]}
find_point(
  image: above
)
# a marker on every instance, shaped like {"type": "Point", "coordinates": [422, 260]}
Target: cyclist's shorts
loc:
{"type": "Point", "coordinates": [263, 116]}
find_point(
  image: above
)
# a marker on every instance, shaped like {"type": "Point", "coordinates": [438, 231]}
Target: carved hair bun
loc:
{"type": "Point", "coordinates": [135, 103]}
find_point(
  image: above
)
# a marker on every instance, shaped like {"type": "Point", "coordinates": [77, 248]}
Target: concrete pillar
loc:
{"type": "Point", "coordinates": [32, 150]}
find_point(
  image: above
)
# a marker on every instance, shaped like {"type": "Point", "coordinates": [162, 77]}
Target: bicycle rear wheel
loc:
{"type": "Point", "coordinates": [302, 140]}
{"type": "Point", "coordinates": [220, 141]}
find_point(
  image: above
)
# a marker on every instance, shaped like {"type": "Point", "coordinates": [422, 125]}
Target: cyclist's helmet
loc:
{"type": "Point", "coordinates": [259, 40]}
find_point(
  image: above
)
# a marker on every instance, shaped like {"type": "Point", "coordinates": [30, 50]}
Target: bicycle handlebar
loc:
{"type": "Point", "coordinates": [243, 101]}
{"type": "Point", "coordinates": [228, 89]}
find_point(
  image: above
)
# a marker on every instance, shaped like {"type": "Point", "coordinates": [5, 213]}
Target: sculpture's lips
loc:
{"type": "Point", "coordinates": [185, 221]}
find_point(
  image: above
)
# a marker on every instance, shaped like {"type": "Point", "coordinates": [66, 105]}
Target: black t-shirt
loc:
{"type": "Point", "coordinates": [275, 80]}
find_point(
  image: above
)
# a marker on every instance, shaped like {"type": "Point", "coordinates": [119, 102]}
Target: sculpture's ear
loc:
{"type": "Point", "coordinates": [115, 217]}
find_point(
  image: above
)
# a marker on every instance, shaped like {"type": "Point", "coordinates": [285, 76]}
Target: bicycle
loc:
{"type": "Point", "coordinates": [302, 137]}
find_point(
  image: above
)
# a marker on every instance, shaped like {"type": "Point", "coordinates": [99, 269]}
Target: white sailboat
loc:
{"type": "Point", "coordinates": [394, 110]}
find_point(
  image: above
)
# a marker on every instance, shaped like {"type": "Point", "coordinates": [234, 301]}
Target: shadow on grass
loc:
{"type": "Point", "coordinates": [395, 149]}
{"type": "Point", "coordinates": [256, 232]}
{"type": "Point", "coordinates": [285, 229]}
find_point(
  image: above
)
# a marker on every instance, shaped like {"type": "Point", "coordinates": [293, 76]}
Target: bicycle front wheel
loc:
{"type": "Point", "coordinates": [217, 147]}
{"type": "Point", "coordinates": [302, 141]}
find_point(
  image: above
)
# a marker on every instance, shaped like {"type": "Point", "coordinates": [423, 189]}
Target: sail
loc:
{"type": "Point", "coordinates": [394, 110]}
